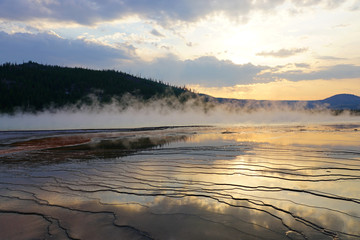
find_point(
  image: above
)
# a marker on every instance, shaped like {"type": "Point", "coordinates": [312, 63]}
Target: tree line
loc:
{"type": "Point", "coordinates": [32, 87]}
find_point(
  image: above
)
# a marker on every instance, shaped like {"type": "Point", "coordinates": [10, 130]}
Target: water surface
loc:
{"type": "Point", "coordinates": [264, 182]}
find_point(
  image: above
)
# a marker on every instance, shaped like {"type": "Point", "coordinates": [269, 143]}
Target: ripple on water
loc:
{"type": "Point", "coordinates": [183, 183]}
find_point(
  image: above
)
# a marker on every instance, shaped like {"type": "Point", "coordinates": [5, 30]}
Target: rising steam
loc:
{"type": "Point", "coordinates": [130, 112]}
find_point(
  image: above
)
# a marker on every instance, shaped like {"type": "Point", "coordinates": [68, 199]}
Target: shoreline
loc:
{"type": "Point", "coordinates": [24, 141]}
{"type": "Point", "coordinates": [95, 130]}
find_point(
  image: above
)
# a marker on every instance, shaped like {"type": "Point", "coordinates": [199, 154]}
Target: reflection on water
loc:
{"type": "Point", "coordinates": [279, 182]}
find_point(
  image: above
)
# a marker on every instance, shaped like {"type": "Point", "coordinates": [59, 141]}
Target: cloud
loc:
{"type": "Point", "coordinates": [355, 6]}
{"type": "Point", "coordinates": [341, 25]}
{"type": "Point", "coordinates": [325, 3]}
{"type": "Point", "coordinates": [284, 89]}
{"type": "Point", "coordinates": [50, 48]}
{"type": "Point", "coordinates": [302, 65]}
{"type": "Point", "coordinates": [282, 53]}
{"type": "Point", "coordinates": [340, 71]}
{"type": "Point", "coordinates": [330, 58]}
{"type": "Point", "coordinates": [89, 12]}
{"type": "Point", "coordinates": [336, 72]}
{"type": "Point", "coordinates": [156, 33]}
{"type": "Point", "coordinates": [207, 71]}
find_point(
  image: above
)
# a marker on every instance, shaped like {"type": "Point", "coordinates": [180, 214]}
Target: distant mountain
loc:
{"type": "Point", "coordinates": [336, 102]}
{"type": "Point", "coordinates": [341, 101]}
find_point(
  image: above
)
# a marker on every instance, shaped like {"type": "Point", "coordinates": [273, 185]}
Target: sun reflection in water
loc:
{"type": "Point", "coordinates": [278, 182]}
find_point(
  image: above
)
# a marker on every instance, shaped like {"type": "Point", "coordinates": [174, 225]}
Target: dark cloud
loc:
{"type": "Point", "coordinates": [88, 12]}
{"type": "Point", "coordinates": [330, 58]}
{"type": "Point", "coordinates": [52, 49]}
{"type": "Point", "coordinates": [207, 71]}
{"type": "Point", "coordinates": [302, 65]}
{"type": "Point", "coordinates": [336, 72]}
{"type": "Point", "coordinates": [212, 72]}
{"type": "Point", "coordinates": [341, 71]}
{"type": "Point", "coordinates": [165, 47]}
{"type": "Point", "coordinates": [282, 53]}
{"type": "Point", "coordinates": [156, 33]}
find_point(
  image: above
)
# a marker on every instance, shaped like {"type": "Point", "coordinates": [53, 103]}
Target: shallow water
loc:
{"type": "Point", "coordinates": [264, 182]}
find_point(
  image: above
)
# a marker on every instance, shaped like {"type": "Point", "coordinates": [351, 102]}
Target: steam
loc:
{"type": "Point", "coordinates": [132, 112]}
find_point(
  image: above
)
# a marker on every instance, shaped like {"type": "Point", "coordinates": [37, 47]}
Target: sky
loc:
{"type": "Point", "coordinates": [248, 49]}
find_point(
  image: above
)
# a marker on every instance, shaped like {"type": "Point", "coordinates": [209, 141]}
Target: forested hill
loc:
{"type": "Point", "coordinates": [34, 87]}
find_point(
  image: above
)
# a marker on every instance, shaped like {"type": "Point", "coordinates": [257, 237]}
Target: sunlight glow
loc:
{"type": "Point", "coordinates": [283, 90]}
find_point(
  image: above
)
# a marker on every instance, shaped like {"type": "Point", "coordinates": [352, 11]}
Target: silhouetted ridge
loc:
{"type": "Point", "coordinates": [342, 101]}
{"type": "Point", "coordinates": [33, 87]}
{"type": "Point", "coordinates": [342, 98]}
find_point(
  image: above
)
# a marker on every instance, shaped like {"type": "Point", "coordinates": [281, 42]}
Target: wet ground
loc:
{"type": "Point", "coordinates": [263, 182]}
